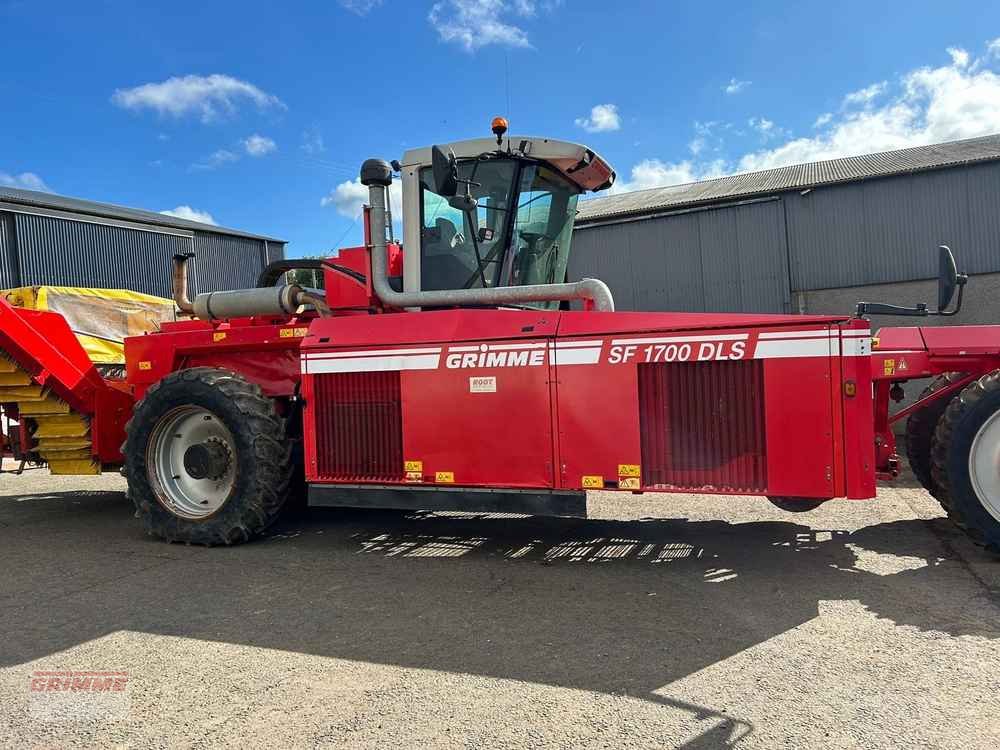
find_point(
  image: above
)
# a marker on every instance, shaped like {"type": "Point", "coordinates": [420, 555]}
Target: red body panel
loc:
{"type": "Point", "coordinates": [576, 400]}
{"type": "Point", "coordinates": [263, 350]}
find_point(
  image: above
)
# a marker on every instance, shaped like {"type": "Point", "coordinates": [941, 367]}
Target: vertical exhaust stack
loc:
{"type": "Point", "coordinates": [376, 175]}
{"type": "Point", "coordinates": [180, 284]}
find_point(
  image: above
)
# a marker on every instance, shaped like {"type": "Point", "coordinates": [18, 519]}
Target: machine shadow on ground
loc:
{"type": "Point", "coordinates": [620, 607]}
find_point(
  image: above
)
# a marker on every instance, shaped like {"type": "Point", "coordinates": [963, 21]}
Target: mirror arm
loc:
{"type": "Point", "coordinates": [880, 308]}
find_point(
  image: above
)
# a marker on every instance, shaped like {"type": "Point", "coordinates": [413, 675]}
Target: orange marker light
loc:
{"type": "Point", "coordinates": [499, 127]}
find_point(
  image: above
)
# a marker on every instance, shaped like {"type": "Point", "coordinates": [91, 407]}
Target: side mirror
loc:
{"type": "Point", "coordinates": [949, 279]}
{"type": "Point", "coordinates": [445, 172]}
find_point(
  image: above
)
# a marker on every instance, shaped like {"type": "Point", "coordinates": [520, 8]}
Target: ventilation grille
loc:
{"type": "Point", "coordinates": [702, 425]}
{"type": "Point", "coordinates": [359, 426]}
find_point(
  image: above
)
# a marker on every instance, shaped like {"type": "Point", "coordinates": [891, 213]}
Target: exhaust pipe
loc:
{"type": "Point", "coordinates": [376, 175]}
{"type": "Point", "coordinates": [242, 303]}
{"type": "Point", "coordinates": [180, 283]}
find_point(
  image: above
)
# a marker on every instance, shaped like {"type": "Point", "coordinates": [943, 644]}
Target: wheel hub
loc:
{"type": "Point", "coordinates": [208, 460]}
{"type": "Point", "coordinates": [190, 460]}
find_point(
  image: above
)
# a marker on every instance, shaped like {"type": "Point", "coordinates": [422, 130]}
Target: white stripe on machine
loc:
{"type": "Point", "coordinates": [769, 345]}
{"type": "Point", "coordinates": [316, 365]}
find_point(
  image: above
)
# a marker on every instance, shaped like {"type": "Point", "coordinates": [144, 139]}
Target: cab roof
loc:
{"type": "Point", "coordinates": [579, 164]}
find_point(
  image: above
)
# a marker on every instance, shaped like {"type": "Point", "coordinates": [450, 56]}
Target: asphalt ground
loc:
{"type": "Point", "coordinates": [664, 621]}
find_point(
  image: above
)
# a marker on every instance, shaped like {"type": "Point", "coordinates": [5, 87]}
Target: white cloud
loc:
{"type": "Point", "coordinates": [258, 145]}
{"type": "Point", "coordinates": [217, 159]}
{"type": "Point", "coordinates": [652, 173]}
{"type": "Point", "coordinates": [735, 86]}
{"type": "Point", "coordinates": [205, 96]}
{"type": "Point", "coordinates": [24, 181]}
{"type": "Point", "coordinates": [959, 57]}
{"type": "Point", "coordinates": [349, 196]}
{"type": "Point", "coordinates": [927, 105]}
{"type": "Point", "coordinates": [191, 214]}
{"type": "Point", "coordinates": [603, 118]}
{"type": "Point", "coordinates": [312, 142]}
{"type": "Point", "coordinates": [993, 48]}
{"type": "Point", "coordinates": [823, 119]}
{"type": "Point", "coordinates": [477, 23]}
{"type": "Point", "coordinates": [359, 7]}
{"type": "Point", "coordinates": [865, 96]}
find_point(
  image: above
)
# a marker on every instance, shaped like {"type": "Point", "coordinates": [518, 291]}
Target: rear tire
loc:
{"type": "Point", "coordinates": [797, 504]}
{"type": "Point", "coordinates": [966, 460]}
{"type": "Point", "coordinates": [206, 458]}
{"type": "Point", "coordinates": [920, 428]}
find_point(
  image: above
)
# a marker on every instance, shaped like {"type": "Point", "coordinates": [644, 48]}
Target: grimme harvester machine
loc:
{"type": "Point", "coordinates": [455, 377]}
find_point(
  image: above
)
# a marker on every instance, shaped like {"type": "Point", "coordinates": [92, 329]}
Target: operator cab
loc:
{"type": "Point", "coordinates": [482, 213]}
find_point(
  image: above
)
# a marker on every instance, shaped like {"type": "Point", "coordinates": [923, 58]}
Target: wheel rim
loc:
{"type": "Point", "coordinates": [191, 460]}
{"type": "Point", "coordinates": [984, 465]}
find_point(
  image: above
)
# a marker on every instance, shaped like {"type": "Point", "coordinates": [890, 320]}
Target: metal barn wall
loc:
{"type": "Point", "coordinates": [38, 249]}
{"type": "Point", "coordinates": [751, 257]}
{"type": "Point", "coordinates": [732, 258]}
{"type": "Point", "coordinates": [226, 262]}
{"type": "Point", "coordinates": [8, 252]}
{"type": "Point", "coordinates": [887, 230]}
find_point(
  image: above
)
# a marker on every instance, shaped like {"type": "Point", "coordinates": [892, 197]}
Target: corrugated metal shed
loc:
{"type": "Point", "coordinates": [722, 259]}
{"type": "Point", "coordinates": [844, 224]}
{"type": "Point", "coordinates": [794, 177]}
{"type": "Point", "coordinates": [49, 239]}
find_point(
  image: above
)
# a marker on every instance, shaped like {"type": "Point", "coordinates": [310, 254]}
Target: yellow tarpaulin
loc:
{"type": "Point", "coordinates": [100, 318]}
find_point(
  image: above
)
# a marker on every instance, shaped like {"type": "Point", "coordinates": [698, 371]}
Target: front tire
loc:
{"type": "Point", "coordinates": [206, 458]}
{"type": "Point", "coordinates": [966, 460]}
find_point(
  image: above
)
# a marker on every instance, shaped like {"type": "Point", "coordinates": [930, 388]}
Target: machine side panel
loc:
{"type": "Point", "coordinates": [856, 395]}
{"type": "Point", "coordinates": [481, 426]}
{"type": "Point", "coordinates": [729, 411]}
{"type": "Point", "coordinates": [598, 428]}
{"type": "Point", "coordinates": [800, 426]}
{"type": "Point", "coordinates": [471, 414]}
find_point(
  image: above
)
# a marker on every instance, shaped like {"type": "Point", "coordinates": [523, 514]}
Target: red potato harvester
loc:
{"type": "Point", "coordinates": [455, 376]}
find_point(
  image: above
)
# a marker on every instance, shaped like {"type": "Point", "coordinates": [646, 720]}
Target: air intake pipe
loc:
{"type": "Point", "coordinates": [376, 175]}
{"type": "Point", "coordinates": [282, 300]}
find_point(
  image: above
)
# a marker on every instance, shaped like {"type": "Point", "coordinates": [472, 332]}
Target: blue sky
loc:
{"type": "Point", "coordinates": [258, 115]}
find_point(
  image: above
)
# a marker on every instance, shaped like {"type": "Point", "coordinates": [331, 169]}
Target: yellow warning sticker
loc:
{"type": "Point", "coordinates": [888, 366]}
{"type": "Point", "coordinates": [592, 481]}
{"type": "Point", "coordinates": [628, 483]}
{"type": "Point", "coordinates": [145, 365]}
{"type": "Point", "coordinates": [629, 470]}
{"type": "Point", "coordinates": [414, 476]}
{"type": "Point", "coordinates": [219, 336]}
{"type": "Point", "coordinates": [417, 466]}
{"type": "Point", "coordinates": [874, 342]}
{"type": "Point", "coordinates": [300, 331]}
{"type": "Point", "coordinates": [444, 477]}
{"type": "Point", "coordinates": [286, 333]}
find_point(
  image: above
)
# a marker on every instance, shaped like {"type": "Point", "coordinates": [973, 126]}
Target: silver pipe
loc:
{"type": "Point", "coordinates": [180, 284]}
{"type": "Point", "coordinates": [245, 303]}
{"type": "Point", "coordinates": [378, 176]}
